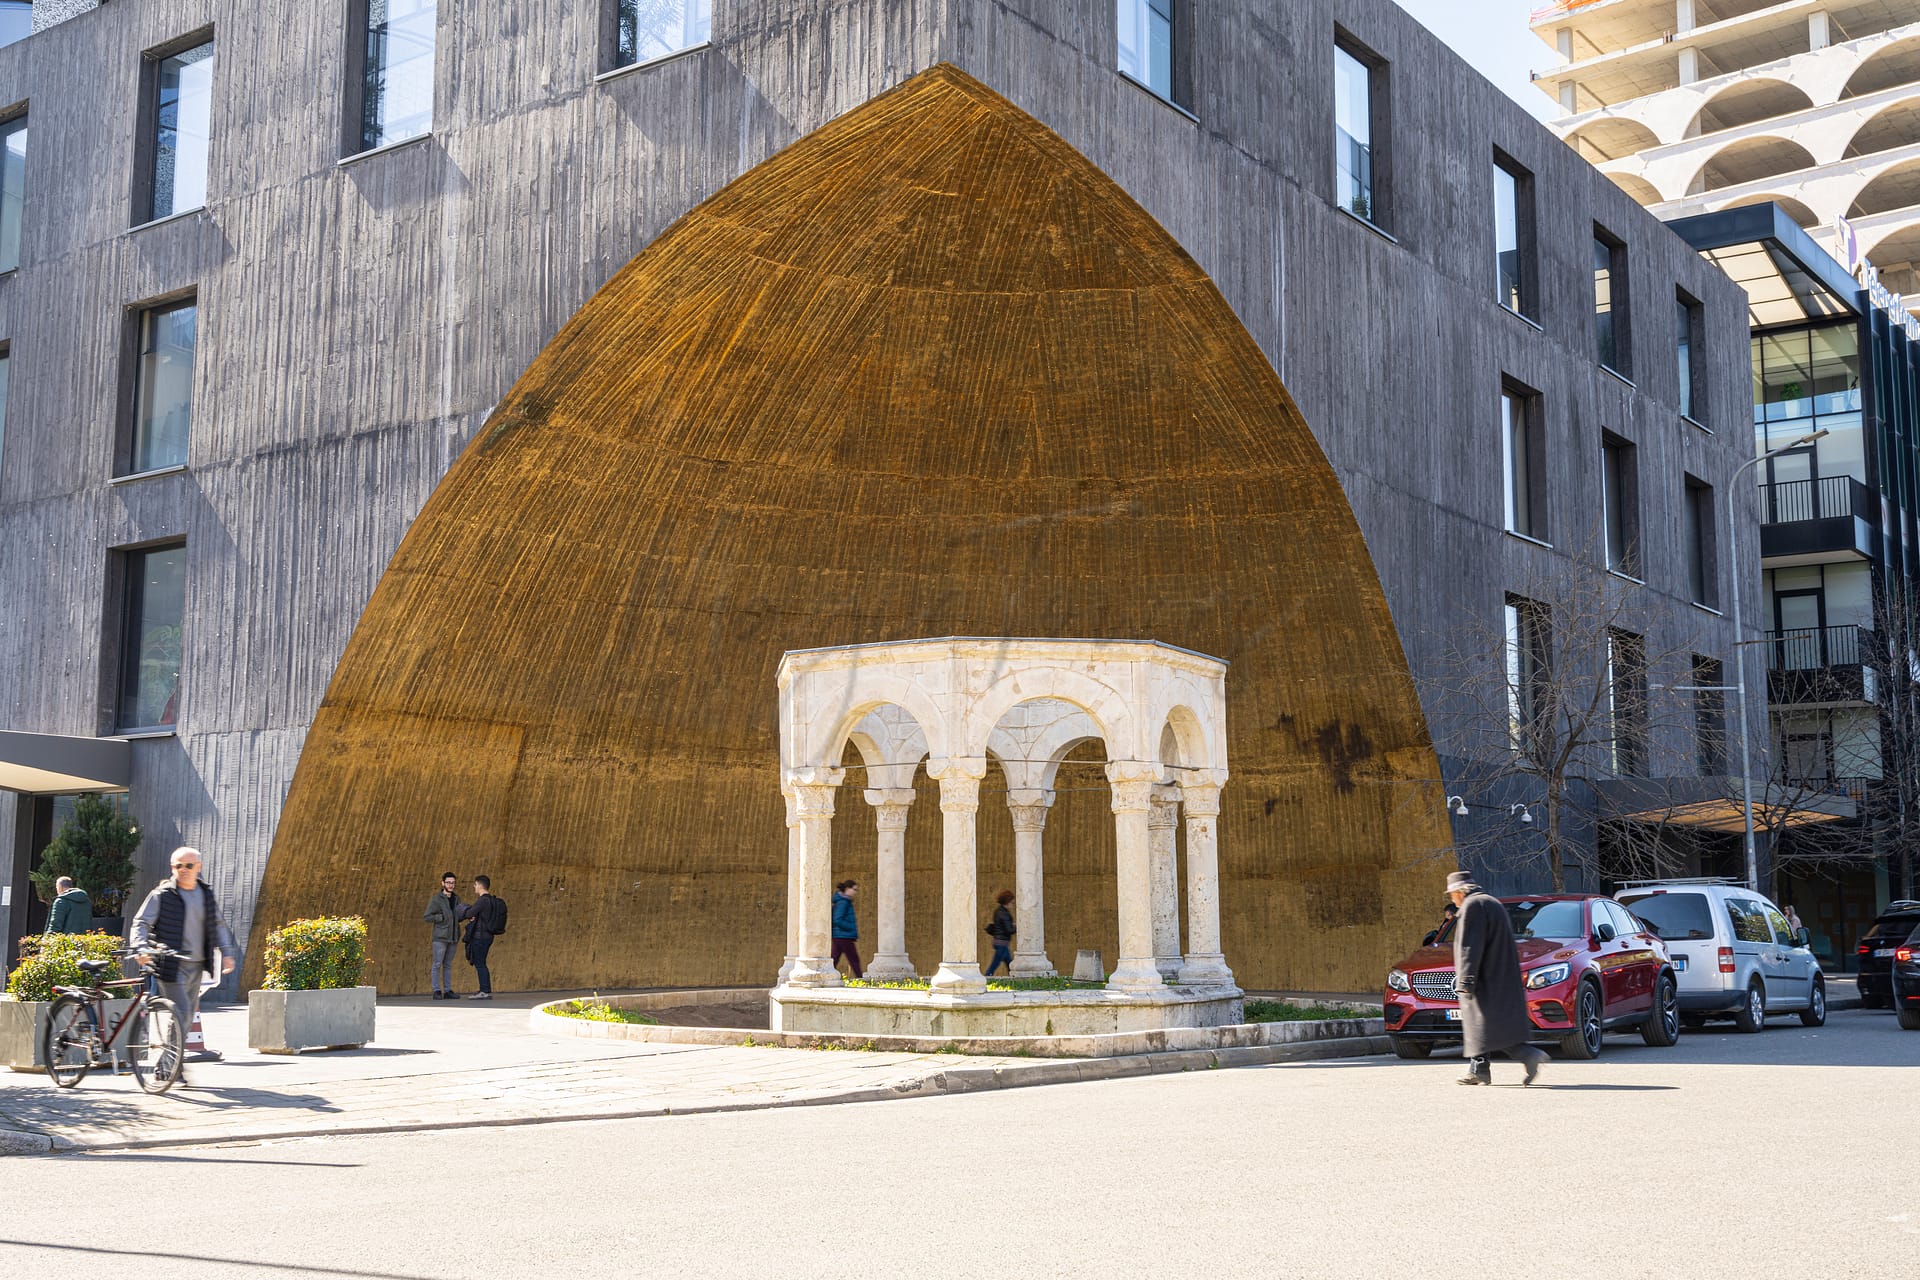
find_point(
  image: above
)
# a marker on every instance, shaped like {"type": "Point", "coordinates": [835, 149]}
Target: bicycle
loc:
{"type": "Point", "coordinates": [156, 1039]}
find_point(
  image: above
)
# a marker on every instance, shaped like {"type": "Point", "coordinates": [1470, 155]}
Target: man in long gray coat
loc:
{"type": "Point", "coordinates": [1486, 967]}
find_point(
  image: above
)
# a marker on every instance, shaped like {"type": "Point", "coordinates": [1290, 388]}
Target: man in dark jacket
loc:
{"type": "Point", "coordinates": [181, 915]}
{"type": "Point", "coordinates": [443, 913]}
{"type": "Point", "coordinates": [846, 926]}
{"type": "Point", "coordinates": [72, 908]}
{"type": "Point", "coordinates": [486, 918]}
{"type": "Point", "coordinates": [1486, 966]}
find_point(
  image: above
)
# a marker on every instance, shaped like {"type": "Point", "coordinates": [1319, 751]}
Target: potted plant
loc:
{"type": "Point", "coordinates": [313, 998]}
{"type": "Point", "coordinates": [45, 963]}
{"type": "Point", "coordinates": [95, 847]}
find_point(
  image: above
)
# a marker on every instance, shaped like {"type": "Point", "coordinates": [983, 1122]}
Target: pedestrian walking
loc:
{"type": "Point", "coordinates": [486, 918]}
{"type": "Point", "coordinates": [72, 908]}
{"type": "Point", "coordinates": [846, 926]}
{"type": "Point", "coordinates": [1486, 967]}
{"type": "Point", "coordinates": [182, 915]}
{"type": "Point", "coordinates": [1001, 929]}
{"type": "Point", "coordinates": [443, 913]}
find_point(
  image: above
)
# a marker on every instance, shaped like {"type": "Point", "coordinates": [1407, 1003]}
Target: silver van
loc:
{"type": "Point", "coordinates": [1733, 952]}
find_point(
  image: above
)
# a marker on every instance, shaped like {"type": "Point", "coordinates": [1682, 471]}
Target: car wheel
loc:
{"type": "Point", "coordinates": [1405, 1048]}
{"type": "Point", "coordinates": [1584, 1043]}
{"type": "Point", "coordinates": [1751, 1016]}
{"type": "Point", "coordinates": [1815, 1014]}
{"type": "Point", "coordinates": [1909, 1018]}
{"type": "Point", "coordinates": [1662, 1027]}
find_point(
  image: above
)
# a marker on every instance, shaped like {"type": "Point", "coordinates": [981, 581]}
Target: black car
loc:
{"type": "Point", "coordinates": [1906, 981]}
{"type": "Point", "coordinates": [1875, 952]}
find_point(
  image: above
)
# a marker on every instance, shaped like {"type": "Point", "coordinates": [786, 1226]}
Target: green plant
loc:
{"type": "Point", "coordinates": [1284, 1011]}
{"type": "Point", "coordinates": [321, 954]}
{"type": "Point", "coordinates": [598, 1010]}
{"type": "Point", "coordinates": [54, 960]}
{"type": "Point", "coordinates": [95, 847]}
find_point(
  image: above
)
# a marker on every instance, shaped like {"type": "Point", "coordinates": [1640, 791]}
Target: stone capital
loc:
{"type": "Point", "coordinates": [890, 807]}
{"type": "Point", "coordinates": [1132, 796]}
{"type": "Point", "coordinates": [1028, 809]}
{"type": "Point", "coordinates": [814, 799]}
{"type": "Point", "coordinates": [813, 776]}
{"type": "Point", "coordinates": [1165, 811]}
{"type": "Point", "coordinates": [959, 793]}
{"type": "Point", "coordinates": [1202, 799]}
{"type": "Point", "coordinates": [1146, 771]}
{"type": "Point", "coordinates": [945, 767]}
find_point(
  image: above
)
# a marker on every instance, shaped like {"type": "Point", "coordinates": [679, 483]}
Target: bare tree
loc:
{"type": "Point", "coordinates": [1890, 659]}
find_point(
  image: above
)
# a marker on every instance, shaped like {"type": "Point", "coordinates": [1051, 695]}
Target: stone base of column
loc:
{"type": "Point", "coordinates": [885, 968]}
{"type": "Point", "coordinates": [1033, 966]}
{"type": "Point", "coordinates": [1206, 971]}
{"type": "Point", "coordinates": [786, 971]}
{"type": "Point", "coordinates": [1137, 973]}
{"type": "Point", "coordinates": [812, 971]}
{"type": "Point", "coordinates": [959, 980]}
{"type": "Point", "coordinates": [1169, 967]}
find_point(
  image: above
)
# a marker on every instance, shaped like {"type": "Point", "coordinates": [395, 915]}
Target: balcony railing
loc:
{"type": "Point", "coordinates": [1828, 498]}
{"type": "Point", "coordinates": [1814, 648]}
{"type": "Point", "coordinates": [1819, 665]}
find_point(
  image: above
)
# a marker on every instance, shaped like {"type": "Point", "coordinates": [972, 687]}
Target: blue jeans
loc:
{"type": "Point", "coordinates": [1002, 955]}
{"type": "Point", "coordinates": [440, 970]}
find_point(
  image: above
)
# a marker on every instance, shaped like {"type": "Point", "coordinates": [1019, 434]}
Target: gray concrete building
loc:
{"type": "Point", "coordinates": [276, 269]}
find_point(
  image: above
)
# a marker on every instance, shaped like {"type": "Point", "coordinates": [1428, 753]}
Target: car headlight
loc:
{"type": "Point", "coordinates": [1546, 977]}
{"type": "Point", "coordinates": [1397, 980]}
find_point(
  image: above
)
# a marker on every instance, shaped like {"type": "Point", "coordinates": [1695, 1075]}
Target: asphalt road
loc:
{"type": "Point", "coordinates": [1728, 1156]}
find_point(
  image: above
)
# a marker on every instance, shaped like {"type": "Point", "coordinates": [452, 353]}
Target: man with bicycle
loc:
{"type": "Point", "coordinates": [181, 914]}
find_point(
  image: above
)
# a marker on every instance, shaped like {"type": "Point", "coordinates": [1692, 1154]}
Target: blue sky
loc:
{"type": "Point", "coordinates": [1493, 36]}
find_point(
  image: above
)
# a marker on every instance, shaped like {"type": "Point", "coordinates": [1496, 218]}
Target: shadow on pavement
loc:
{"type": "Point", "coordinates": [152, 1157]}
{"type": "Point", "coordinates": [1605, 1088]}
{"type": "Point", "coordinates": [220, 1262]}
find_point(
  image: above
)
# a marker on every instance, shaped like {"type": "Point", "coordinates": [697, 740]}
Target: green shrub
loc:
{"type": "Point", "coordinates": [95, 846]}
{"type": "Point", "coordinates": [54, 961]}
{"type": "Point", "coordinates": [601, 1011]}
{"type": "Point", "coordinates": [321, 954]}
{"type": "Point", "coordinates": [1282, 1011]}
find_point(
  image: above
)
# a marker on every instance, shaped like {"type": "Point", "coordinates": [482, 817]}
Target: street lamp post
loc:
{"type": "Point", "coordinates": [1740, 647]}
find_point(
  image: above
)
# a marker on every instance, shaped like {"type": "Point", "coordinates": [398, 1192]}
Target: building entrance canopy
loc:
{"type": "Point", "coordinates": [47, 764]}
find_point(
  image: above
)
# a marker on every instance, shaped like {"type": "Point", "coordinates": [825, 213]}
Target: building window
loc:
{"type": "Point", "coordinates": [393, 59]}
{"type": "Point", "coordinates": [1153, 48]}
{"type": "Point", "coordinates": [163, 388]}
{"type": "Point", "coordinates": [1512, 236]}
{"type": "Point", "coordinates": [1357, 103]}
{"type": "Point", "coordinates": [1610, 302]}
{"type": "Point", "coordinates": [1709, 717]}
{"type": "Point", "coordinates": [1702, 562]}
{"type": "Point", "coordinates": [156, 592]}
{"type": "Point", "coordinates": [16, 21]}
{"type": "Point", "coordinates": [1529, 670]}
{"type": "Point", "coordinates": [182, 115]}
{"type": "Point", "coordinates": [644, 30]}
{"type": "Point", "coordinates": [6, 370]}
{"type": "Point", "coordinates": [1627, 702]}
{"type": "Point", "coordinates": [1523, 461]}
{"type": "Point", "coordinates": [1686, 332]}
{"type": "Point", "coordinates": [13, 189]}
{"type": "Point", "coordinates": [1620, 496]}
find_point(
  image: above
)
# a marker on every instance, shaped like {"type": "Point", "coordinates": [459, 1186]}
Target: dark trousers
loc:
{"type": "Point", "coordinates": [477, 957]}
{"type": "Point", "coordinates": [1002, 955]}
{"type": "Point", "coordinates": [850, 948]}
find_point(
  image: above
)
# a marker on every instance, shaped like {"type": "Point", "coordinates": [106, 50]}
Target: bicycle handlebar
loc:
{"type": "Point", "coordinates": [153, 949]}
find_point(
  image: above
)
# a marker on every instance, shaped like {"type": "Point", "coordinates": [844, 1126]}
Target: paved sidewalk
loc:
{"type": "Point", "coordinates": [436, 1065]}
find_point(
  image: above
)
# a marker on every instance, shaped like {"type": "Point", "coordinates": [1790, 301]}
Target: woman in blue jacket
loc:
{"type": "Point", "coordinates": [846, 926]}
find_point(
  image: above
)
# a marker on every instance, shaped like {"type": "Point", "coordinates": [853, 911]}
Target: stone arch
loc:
{"type": "Point", "coordinates": [1183, 729]}
{"type": "Point", "coordinates": [1611, 138]}
{"type": "Point", "coordinates": [1101, 703]}
{"type": "Point", "coordinates": [1895, 64]}
{"type": "Point", "coordinates": [1895, 187]}
{"type": "Point", "coordinates": [890, 746]}
{"type": "Point", "coordinates": [1037, 764]}
{"type": "Point", "coordinates": [1805, 217]}
{"type": "Point", "coordinates": [1749, 160]}
{"type": "Point", "coordinates": [571, 658]}
{"type": "Point", "coordinates": [1744, 102]}
{"type": "Point", "coordinates": [864, 694]}
{"type": "Point", "coordinates": [1895, 125]}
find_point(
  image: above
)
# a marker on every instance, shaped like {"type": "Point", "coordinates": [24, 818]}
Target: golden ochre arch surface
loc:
{"type": "Point", "coordinates": [926, 372]}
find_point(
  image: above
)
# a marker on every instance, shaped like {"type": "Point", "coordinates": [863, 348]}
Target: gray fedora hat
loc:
{"type": "Point", "coordinates": [1461, 882]}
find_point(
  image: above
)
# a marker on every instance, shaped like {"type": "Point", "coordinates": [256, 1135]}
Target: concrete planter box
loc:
{"type": "Point", "coordinates": [292, 1021]}
{"type": "Point", "coordinates": [23, 1023]}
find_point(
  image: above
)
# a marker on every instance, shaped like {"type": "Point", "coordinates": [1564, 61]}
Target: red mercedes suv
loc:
{"type": "Point", "coordinates": [1589, 967]}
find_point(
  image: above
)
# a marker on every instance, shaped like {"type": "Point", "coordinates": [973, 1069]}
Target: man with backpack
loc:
{"type": "Point", "coordinates": [486, 918]}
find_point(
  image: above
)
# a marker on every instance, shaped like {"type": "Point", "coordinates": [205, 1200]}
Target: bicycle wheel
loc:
{"type": "Point", "coordinates": [66, 1046]}
{"type": "Point", "coordinates": [159, 1047]}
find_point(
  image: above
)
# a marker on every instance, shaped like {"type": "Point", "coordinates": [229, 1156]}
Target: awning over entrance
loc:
{"type": "Point", "coordinates": [49, 764]}
{"type": "Point", "coordinates": [1713, 804]}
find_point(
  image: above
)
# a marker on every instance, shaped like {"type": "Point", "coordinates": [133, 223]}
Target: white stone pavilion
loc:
{"type": "Point", "coordinates": [954, 704]}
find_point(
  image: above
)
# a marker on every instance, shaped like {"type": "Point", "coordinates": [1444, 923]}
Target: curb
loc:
{"type": "Point", "coordinates": [958, 1080]}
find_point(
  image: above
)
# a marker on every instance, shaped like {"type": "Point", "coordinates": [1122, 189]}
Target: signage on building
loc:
{"type": "Point", "coordinates": [1869, 277]}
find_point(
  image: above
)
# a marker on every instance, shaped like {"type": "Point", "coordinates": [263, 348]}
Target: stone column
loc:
{"type": "Point", "coordinates": [890, 806]}
{"type": "Point", "coordinates": [1205, 966]}
{"type": "Point", "coordinates": [1132, 786]}
{"type": "Point", "coordinates": [959, 972]}
{"type": "Point", "coordinates": [793, 884]}
{"type": "Point", "coordinates": [1163, 866]}
{"type": "Point", "coordinates": [813, 804]}
{"type": "Point", "coordinates": [1028, 808]}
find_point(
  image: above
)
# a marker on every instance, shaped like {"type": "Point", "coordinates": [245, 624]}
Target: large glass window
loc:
{"type": "Point", "coordinates": [1709, 716]}
{"type": "Point", "coordinates": [156, 593]}
{"type": "Point", "coordinates": [1686, 322]}
{"type": "Point", "coordinates": [1702, 569]}
{"type": "Point", "coordinates": [649, 29]}
{"type": "Point", "coordinates": [1627, 702]}
{"type": "Point", "coordinates": [1521, 464]}
{"type": "Point", "coordinates": [1619, 494]}
{"type": "Point", "coordinates": [1512, 233]}
{"type": "Point", "coordinates": [163, 388]}
{"type": "Point", "coordinates": [396, 100]}
{"type": "Point", "coordinates": [16, 20]}
{"type": "Point", "coordinates": [13, 189]}
{"type": "Point", "coordinates": [182, 124]}
{"type": "Point", "coordinates": [1610, 302]}
{"type": "Point", "coordinates": [1529, 670]}
{"type": "Point", "coordinates": [1353, 135]}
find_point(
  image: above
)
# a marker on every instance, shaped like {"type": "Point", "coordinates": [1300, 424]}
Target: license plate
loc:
{"type": "Point", "coordinates": [1679, 964]}
{"type": "Point", "coordinates": [1885, 953]}
{"type": "Point", "coordinates": [1453, 1015]}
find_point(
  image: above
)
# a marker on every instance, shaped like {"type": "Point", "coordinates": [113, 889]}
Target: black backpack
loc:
{"type": "Point", "coordinates": [501, 927]}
